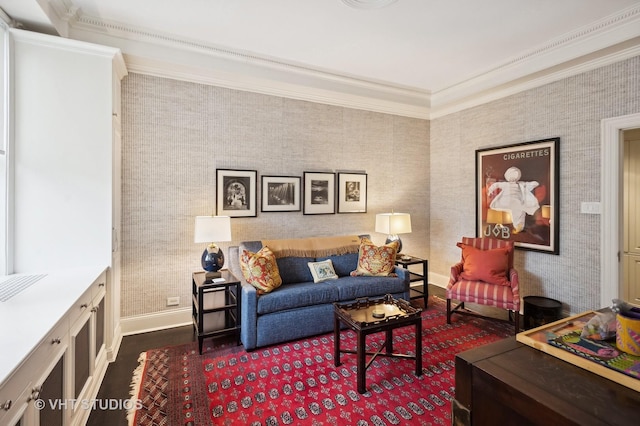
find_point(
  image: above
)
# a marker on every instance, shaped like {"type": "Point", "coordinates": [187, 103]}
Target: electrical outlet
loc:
{"type": "Point", "coordinates": [173, 301]}
{"type": "Point", "coordinates": [590, 207]}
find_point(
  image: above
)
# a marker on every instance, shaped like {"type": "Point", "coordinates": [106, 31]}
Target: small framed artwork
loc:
{"type": "Point", "coordinates": [517, 194]}
{"type": "Point", "coordinates": [281, 193]}
{"type": "Point", "coordinates": [352, 192]}
{"type": "Point", "coordinates": [236, 192]}
{"type": "Point", "coordinates": [319, 193]}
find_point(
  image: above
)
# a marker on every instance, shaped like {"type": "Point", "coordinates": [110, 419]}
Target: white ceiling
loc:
{"type": "Point", "coordinates": [430, 46]}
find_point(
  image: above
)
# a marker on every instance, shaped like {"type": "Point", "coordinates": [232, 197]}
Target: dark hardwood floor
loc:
{"type": "Point", "coordinates": [119, 373]}
{"type": "Point", "coordinates": [118, 377]}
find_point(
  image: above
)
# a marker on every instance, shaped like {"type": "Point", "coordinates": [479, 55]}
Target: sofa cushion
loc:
{"type": "Point", "coordinates": [322, 271]}
{"type": "Point", "coordinates": [292, 269]}
{"type": "Point", "coordinates": [374, 260]}
{"type": "Point", "coordinates": [343, 264]}
{"type": "Point", "coordinates": [290, 296]}
{"type": "Point", "coordinates": [350, 288]}
{"type": "Point", "coordinates": [295, 269]}
{"type": "Point", "coordinates": [260, 269]}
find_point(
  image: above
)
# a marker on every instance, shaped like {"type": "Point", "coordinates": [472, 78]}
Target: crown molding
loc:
{"type": "Point", "coordinates": [613, 38]}
{"type": "Point", "coordinates": [470, 99]}
{"type": "Point", "coordinates": [368, 4]}
{"type": "Point", "coordinates": [166, 56]}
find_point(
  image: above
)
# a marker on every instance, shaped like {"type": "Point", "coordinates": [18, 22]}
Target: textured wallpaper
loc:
{"type": "Point", "coordinates": [174, 136]}
{"type": "Point", "coordinates": [571, 109]}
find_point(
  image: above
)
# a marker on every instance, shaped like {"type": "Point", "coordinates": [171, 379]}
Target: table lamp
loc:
{"type": "Point", "coordinates": [212, 229]}
{"type": "Point", "coordinates": [499, 218]}
{"type": "Point", "coordinates": [546, 211]}
{"type": "Point", "coordinates": [393, 224]}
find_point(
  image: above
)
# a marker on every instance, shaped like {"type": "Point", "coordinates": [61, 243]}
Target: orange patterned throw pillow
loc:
{"type": "Point", "coordinates": [374, 260]}
{"type": "Point", "coordinates": [485, 265]}
{"type": "Point", "coordinates": [260, 269]}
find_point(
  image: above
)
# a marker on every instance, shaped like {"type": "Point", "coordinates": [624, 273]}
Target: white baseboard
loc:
{"type": "Point", "coordinates": [180, 317]}
{"type": "Point", "coordinates": [438, 279]}
{"type": "Point", "coordinates": [155, 321]}
{"type": "Point", "coordinates": [112, 352]}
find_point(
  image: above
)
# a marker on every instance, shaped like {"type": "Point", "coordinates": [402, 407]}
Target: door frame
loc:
{"type": "Point", "coordinates": [612, 144]}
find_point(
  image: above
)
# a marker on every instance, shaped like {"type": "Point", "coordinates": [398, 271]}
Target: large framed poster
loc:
{"type": "Point", "coordinates": [517, 194]}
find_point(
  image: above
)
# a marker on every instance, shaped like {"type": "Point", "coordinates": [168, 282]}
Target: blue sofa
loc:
{"type": "Point", "coordinates": [299, 307]}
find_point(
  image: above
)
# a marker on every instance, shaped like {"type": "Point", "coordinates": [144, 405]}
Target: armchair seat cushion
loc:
{"type": "Point", "coordinates": [484, 293]}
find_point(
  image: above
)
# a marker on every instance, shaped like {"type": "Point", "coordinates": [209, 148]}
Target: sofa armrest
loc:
{"type": "Point", "coordinates": [249, 316]}
{"type": "Point", "coordinates": [405, 275]}
{"type": "Point", "coordinates": [248, 303]}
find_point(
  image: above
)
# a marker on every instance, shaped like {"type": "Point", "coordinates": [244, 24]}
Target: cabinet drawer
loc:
{"type": "Point", "coordinates": [31, 373]}
{"type": "Point", "coordinates": [46, 355]}
{"type": "Point", "coordinates": [80, 307]}
{"type": "Point", "coordinates": [14, 400]}
{"type": "Point", "coordinates": [84, 304]}
{"type": "Point", "coordinates": [99, 286]}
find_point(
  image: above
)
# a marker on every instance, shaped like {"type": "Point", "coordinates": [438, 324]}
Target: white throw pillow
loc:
{"type": "Point", "coordinates": [322, 271]}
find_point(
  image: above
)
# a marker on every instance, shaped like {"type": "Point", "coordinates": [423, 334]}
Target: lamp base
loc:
{"type": "Point", "coordinates": [212, 261]}
{"type": "Point", "coordinates": [392, 238]}
{"type": "Point", "coordinates": [211, 275]}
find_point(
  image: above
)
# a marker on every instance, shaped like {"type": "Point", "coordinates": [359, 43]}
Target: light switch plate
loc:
{"type": "Point", "coordinates": [592, 207]}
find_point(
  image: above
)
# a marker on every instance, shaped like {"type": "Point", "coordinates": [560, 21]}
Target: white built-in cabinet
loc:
{"type": "Point", "coordinates": [64, 369]}
{"type": "Point", "coordinates": [65, 191]}
{"type": "Point", "coordinates": [631, 217]}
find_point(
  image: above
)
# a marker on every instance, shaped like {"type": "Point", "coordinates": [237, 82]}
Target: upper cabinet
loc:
{"type": "Point", "coordinates": [65, 125]}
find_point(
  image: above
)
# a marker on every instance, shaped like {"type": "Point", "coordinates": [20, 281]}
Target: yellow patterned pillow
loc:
{"type": "Point", "coordinates": [260, 269]}
{"type": "Point", "coordinates": [374, 260]}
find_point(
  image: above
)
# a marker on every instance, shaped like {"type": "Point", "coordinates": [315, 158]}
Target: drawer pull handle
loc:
{"type": "Point", "coordinates": [101, 285]}
{"type": "Point", "coordinates": [55, 341]}
{"type": "Point", "coordinates": [7, 405]}
{"type": "Point", "coordinates": [35, 393]}
{"type": "Point", "coordinates": [94, 309]}
{"type": "Point", "coordinates": [84, 306]}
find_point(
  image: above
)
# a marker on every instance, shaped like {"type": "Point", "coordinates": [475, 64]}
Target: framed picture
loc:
{"type": "Point", "coordinates": [517, 194]}
{"type": "Point", "coordinates": [281, 193]}
{"type": "Point", "coordinates": [319, 193]}
{"type": "Point", "coordinates": [352, 192]}
{"type": "Point", "coordinates": [236, 192]}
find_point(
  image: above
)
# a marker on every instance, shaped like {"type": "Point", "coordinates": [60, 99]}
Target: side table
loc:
{"type": "Point", "coordinates": [540, 310]}
{"type": "Point", "coordinates": [201, 308]}
{"type": "Point", "coordinates": [416, 276]}
{"type": "Point", "coordinates": [361, 318]}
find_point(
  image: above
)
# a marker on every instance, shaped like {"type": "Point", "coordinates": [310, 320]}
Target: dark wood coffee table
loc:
{"type": "Point", "coordinates": [359, 317]}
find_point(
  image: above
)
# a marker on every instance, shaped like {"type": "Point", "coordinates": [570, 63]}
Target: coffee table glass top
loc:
{"type": "Point", "coordinates": [373, 311]}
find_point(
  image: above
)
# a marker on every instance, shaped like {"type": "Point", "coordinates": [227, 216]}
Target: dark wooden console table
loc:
{"type": "Point", "coordinates": [509, 383]}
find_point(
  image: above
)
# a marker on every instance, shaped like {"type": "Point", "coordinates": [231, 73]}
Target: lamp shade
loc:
{"type": "Point", "coordinates": [393, 223]}
{"type": "Point", "coordinates": [498, 217]}
{"type": "Point", "coordinates": [209, 229]}
{"type": "Point", "coordinates": [546, 211]}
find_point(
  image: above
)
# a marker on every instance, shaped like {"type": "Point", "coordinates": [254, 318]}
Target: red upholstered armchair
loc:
{"type": "Point", "coordinates": [485, 276]}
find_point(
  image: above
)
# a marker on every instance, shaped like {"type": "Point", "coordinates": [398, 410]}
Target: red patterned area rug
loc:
{"type": "Point", "coordinates": [297, 383]}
